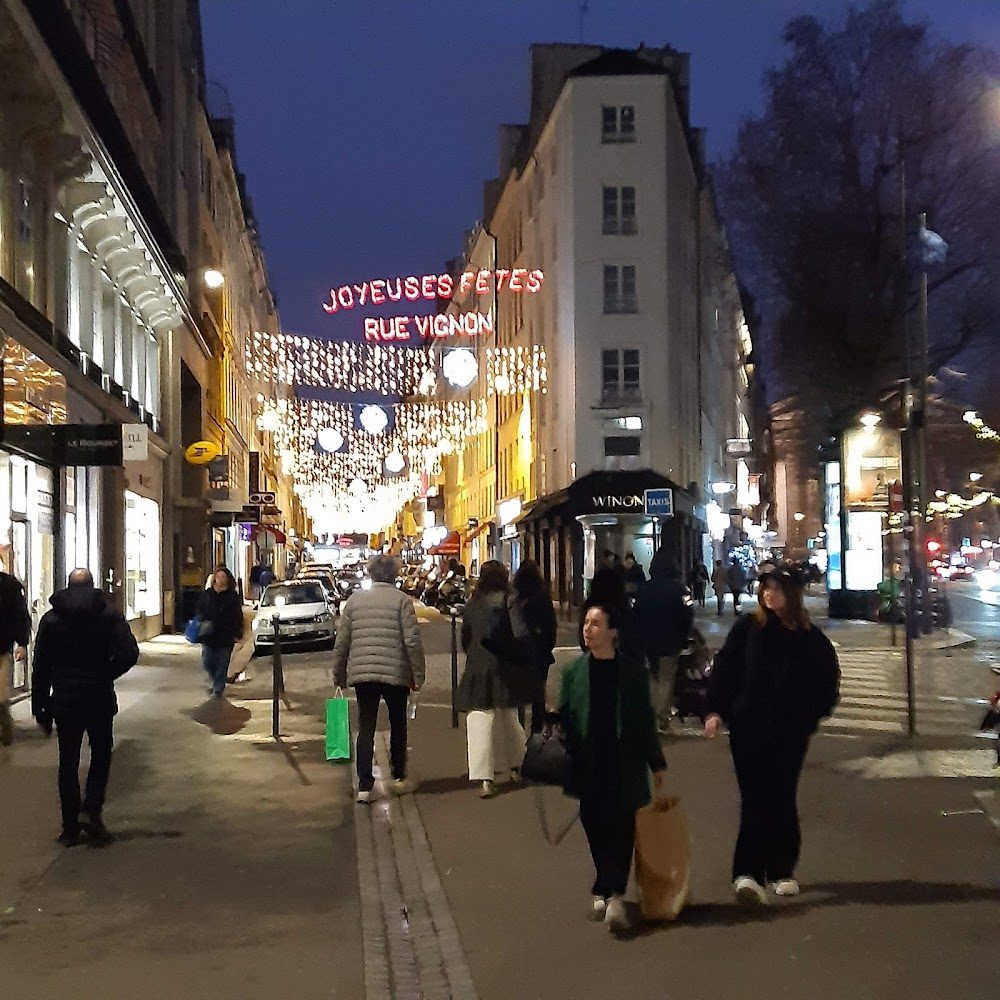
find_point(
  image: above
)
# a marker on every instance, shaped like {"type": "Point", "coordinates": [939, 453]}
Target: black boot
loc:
{"type": "Point", "coordinates": [69, 837]}
{"type": "Point", "coordinates": [98, 835]}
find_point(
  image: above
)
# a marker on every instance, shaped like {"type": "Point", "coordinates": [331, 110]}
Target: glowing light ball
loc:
{"type": "Point", "coordinates": [330, 439]}
{"type": "Point", "coordinates": [374, 419]}
{"type": "Point", "coordinates": [357, 487]}
{"type": "Point", "coordinates": [460, 367]}
{"type": "Point", "coordinates": [394, 462]}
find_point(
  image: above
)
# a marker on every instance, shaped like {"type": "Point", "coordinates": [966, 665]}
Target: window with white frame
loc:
{"type": "Point", "coordinates": [620, 375]}
{"type": "Point", "coordinates": [618, 123]}
{"type": "Point", "coordinates": [619, 288]}
{"type": "Point", "coordinates": [618, 211]}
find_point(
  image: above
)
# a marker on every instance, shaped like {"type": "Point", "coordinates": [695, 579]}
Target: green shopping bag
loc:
{"type": "Point", "coordinates": [338, 728]}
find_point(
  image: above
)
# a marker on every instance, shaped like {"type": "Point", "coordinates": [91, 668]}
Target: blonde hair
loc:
{"type": "Point", "coordinates": [796, 617]}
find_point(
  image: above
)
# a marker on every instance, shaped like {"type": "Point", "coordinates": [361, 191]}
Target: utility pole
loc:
{"type": "Point", "coordinates": [911, 530]}
{"type": "Point", "coordinates": [920, 426]}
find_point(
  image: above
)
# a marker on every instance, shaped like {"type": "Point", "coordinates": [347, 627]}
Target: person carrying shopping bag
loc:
{"type": "Point", "coordinates": [379, 652]}
{"type": "Point", "coordinates": [494, 685]}
{"type": "Point", "coordinates": [220, 628]}
{"type": "Point", "coordinates": [772, 682]}
{"type": "Point", "coordinates": [610, 727]}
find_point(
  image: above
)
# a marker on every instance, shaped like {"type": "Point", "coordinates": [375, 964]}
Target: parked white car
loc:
{"type": "Point", "coordinates": [303, 612]}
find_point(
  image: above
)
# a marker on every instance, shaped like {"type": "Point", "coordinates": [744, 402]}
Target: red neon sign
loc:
{"type": "Point", "coordinates": [379, 291]}
{"type": "Point", "coordinates": [467, 324]}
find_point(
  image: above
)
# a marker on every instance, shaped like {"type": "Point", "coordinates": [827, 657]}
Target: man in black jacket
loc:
{"type": "Point", "coordinates": [664, 612]}
{"type": "Point", "coordinates": [83, 646]}
{"type": "Point", "coordinates": [15, 631]}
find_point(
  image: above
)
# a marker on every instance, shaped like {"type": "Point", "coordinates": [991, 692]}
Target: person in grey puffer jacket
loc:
{"type": "Point", "coordinates": [379, 653]}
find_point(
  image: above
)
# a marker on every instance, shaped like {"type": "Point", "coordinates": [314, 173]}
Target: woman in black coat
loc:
{"type": "Point", "coordinates": [220, 610]}
{"type": "Point", "coordinates": [774, 679]}
{"type": "Point", "coordinates": [533, 620]}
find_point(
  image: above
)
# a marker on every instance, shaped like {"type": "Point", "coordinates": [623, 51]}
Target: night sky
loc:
{"type": "Point", "coordinates": [366, 129]}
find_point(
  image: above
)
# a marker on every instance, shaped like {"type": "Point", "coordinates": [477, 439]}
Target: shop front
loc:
{"type": "Point", "coordinates": [568, 532]}
{"type": "Point", "coordinates": [143, 498]}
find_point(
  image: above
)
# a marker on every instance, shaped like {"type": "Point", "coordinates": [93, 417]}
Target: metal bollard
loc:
{"type": "Point", "coordinates": [277, 680]}
{"type": "Point", "coordinates": [454, 668]}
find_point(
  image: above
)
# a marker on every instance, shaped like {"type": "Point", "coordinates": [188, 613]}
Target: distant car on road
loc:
{"type": "Point", "coordinates": [303, 612]}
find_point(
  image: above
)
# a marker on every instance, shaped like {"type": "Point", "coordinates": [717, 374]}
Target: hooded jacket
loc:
{"type": "Point", "coordinates": [82, 647]}
{"type": "Point", "coordinates": [664, 611]}
{"type": "Point", "coordinates": [15, 621]}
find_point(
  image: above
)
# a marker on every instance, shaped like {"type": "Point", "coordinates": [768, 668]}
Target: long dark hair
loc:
{"type": "Point", "coordinates": [230, 579]}
{"type": "Point", "coordinates": [528, 580]}
{"type": "Point", "coordinates": [493, 578]}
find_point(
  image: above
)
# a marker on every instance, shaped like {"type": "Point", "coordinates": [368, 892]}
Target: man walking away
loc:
{"type": "Point", "coordinates": [720, 584]}
{"type": "Point", "coordinates": [15, 631]}
{"type": "Point", "coordinates": [379, 652]}
{"type": "Point", "coordinates": [737, 583]}
{"type": "Point", "coordinates": [665, 613]}
{"type": "Point", "coordinates": [83, 646]}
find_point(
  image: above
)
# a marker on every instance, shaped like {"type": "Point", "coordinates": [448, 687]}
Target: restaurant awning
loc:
{"type": "Point", "coordinates": [451, 545]}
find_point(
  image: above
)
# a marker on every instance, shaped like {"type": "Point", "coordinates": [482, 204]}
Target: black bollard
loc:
{"type": "Point", "coordinates": [454, 669]}
{"type": "Point", "coordinates": [277, 680]}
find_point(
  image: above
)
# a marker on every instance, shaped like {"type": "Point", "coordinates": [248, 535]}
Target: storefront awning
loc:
{"type": "Point", "coordinates": [276, 533]}
{"type": "Point", "coordinates": [451, 545]}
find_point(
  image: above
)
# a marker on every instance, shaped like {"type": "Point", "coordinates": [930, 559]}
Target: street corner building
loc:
{"type": "Point", "coordinates": [631, 369]}
{"type": "Point", "coordinates": [118, 352]}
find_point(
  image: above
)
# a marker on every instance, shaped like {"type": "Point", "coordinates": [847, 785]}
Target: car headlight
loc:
{"type": "Point", "coordinates": [324, 616]}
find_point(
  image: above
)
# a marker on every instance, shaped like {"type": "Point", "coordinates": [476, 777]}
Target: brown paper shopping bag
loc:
{"type": "Point", "coordinates": [662, 859]}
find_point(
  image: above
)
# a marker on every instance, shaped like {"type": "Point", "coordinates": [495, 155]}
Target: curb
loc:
{"type": "Point", "coordinates": [954, 640]}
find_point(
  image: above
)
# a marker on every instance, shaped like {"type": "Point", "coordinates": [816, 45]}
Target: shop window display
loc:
{"type": "Point", "coordinates": [142, 556]}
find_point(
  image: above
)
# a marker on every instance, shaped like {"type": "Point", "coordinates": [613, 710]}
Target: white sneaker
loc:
{"type": "Point", "coordinates": [600, 907]}
{"type": "Point", "coordinates": [616, 916]}
{"type": "Point", "coordinates": [486, 792]}
{"type": "Point", "coordinates": [364, 798]}
{"type": "Point", "coordinates": [785, 887]}
{"type": "Point", "coordinates": [749, 891]}
{"type": "Point", "coordinates": [401, 786]}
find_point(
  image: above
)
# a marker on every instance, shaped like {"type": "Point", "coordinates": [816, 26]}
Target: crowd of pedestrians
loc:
{"type": "Point", "coordinates": [775, 678]}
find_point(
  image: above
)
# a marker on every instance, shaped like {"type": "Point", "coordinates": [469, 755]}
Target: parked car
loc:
{"type": "Point", "coordinates": [303, 612]}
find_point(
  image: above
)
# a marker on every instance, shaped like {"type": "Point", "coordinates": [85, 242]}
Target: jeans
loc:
{"type": "Point", "coordinates": [215, 660]}
{"type": "Point", "coordinates": [99, 728]}
{"type": "Point", "coordinates": [663, 679]}
{"type": "Point", "coordinates": [369, 695]}
{"type": "Point", "coordinates": [767, 770]}
{"type": "Point", "coordinates": [610, 834]}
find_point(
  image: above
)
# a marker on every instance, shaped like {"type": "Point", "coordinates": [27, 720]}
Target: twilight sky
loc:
{"type": "Point", "coordinates": [366, 129]}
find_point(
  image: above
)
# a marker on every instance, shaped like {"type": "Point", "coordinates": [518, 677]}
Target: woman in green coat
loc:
{"type": "Point", "coordinates": [610, 728]}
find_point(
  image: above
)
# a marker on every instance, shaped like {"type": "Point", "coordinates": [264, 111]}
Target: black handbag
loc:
{"type": "Point", "coordinates": [546, 757]}
{"type": "Point", "coordinates": [990, 720]}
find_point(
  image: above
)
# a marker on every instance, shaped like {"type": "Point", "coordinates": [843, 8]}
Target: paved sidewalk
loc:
{"type": "Point", "coordinates": [234, 875]}
{"type": "Point", "coordinates": [245, 870]}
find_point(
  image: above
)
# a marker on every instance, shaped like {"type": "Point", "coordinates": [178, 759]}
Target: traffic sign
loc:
{"type": "Point", "coordinates": [659, 502]}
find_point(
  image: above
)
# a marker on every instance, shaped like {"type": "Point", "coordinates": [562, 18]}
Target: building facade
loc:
{"type": "Point", "coordinates": [103, 304]}
{"type": "Point", "coordinates": [639, 318]}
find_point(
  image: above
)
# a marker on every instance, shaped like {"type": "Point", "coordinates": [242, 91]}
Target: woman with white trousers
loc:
{"type": "Point", "coordinates": [493, 686]}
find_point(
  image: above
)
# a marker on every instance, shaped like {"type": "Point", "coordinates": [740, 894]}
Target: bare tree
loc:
{"type": "Point", "coordinates": [862, 110]}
